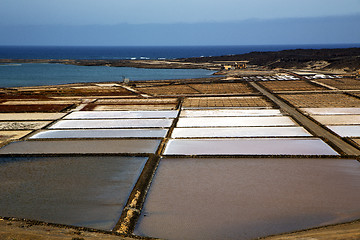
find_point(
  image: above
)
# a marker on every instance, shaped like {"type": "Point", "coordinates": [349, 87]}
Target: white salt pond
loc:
{"type": "Point", "coordinates": [338, 119]}
{"type": "Point", "coordinates": [23, 125]}
{"type": "Point", "coordinates": [346, 131]}
{"type": "Point", "coordinates": [230, 113]}
{"type": "Point", "coordinates": [112, 123]}
{"type": "Point", "coordinates": [235, 121]}
{"type": "Point", "coordinates": [121, 114]}
{"type": "Point", "coordinates": [80, 191]}
{"type": "Point", "coordinates": [240, 132]}
{"type": "Point", "coordinates": [248, 198]}
{"type": "Point", "coordinates": [249, 146]}
{"type": "Point", "coordinates": [101, 133]}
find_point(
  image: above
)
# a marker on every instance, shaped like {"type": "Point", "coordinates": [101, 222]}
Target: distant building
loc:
{"type": "Point", "coordinates": [231, 65]}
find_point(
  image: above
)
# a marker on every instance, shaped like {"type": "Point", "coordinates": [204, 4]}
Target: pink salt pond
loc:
{"type": "Point", "coordinates": [248, 198]}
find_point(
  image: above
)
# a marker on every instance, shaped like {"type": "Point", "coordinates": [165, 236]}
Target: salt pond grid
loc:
{"type": "Point", "coordinates": [191, 160]}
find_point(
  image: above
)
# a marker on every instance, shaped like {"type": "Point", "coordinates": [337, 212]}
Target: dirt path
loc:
{"type": "Point", "coordinates": [341, 231]}
{"type": "Point", "coordinates": [335, 141]}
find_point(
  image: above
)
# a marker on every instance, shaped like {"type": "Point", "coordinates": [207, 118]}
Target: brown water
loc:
{"type": "Point", "coordinates": [81, 146]}
{"type": "Point", "coordinates": [248, 198]}
{"type": "Point", "coordinates": [81, 191]}
{"type": "Point", "coordinates": [331, 111]}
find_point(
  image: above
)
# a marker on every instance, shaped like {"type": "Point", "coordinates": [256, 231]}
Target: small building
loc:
{"type": "Point", "coordinates": [232, 65]}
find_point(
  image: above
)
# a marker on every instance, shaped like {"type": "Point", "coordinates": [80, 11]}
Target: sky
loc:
{"type": "Point", "coordinates": [185, 22]}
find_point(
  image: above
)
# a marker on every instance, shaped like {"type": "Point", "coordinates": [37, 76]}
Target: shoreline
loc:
{"type": "Point", "coordinates": [344, 61]}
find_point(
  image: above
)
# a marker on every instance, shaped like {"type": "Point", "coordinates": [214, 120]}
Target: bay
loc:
{"type": "Point", "coordinates": [39, 74]}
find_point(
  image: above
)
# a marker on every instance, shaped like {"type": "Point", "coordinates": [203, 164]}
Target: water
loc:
{"type": "Point", "coordinates": [35, 74]}
{"type": "Point", "coordinates": [248, 198]}
{"type": "Point", "coordinates": [83, 191]}
{"type": "Point", "coordinates": [15, 75]}
{"type": "Point", "coordinates": [248, 146]}
{"type": "Point", "coordinates": [168, 52]}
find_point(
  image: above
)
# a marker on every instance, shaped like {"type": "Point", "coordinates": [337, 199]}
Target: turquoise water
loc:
{"type": "Point", "coordinates": [36, 74]}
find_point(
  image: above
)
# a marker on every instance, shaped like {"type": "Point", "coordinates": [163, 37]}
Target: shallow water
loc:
{"type": "Point", "coordinates": [31, 116]}
{"type": "Point", "coordinates": [118, 123]}
{"type": "Point", "coordinates": [121, 114]}
{"type": "Point", "coordinates": [248, 146]}
{"type": "Point", "coordinates": [248, 198]}
{"type": "Point", "coordinates": [331, 111]}
{"type": "Point", "coordinates": [235, 121]}
{"type": "Point", "coordinates": [81, 191]}
{"type": "Point", "coordinates": [338, 119]}
{"type": "Point", "coordinates": [346, 131]}
{"type": "Point", "coordinates": [230, 113]}
{"type": "Point", "coordinates": [25, 125]}
{"type": "Point", "coordinates": [81, 146]}
{"type": "Point", "coordinates": [240, 132]}
{"type": "Point", "coordinates": [102, 133]}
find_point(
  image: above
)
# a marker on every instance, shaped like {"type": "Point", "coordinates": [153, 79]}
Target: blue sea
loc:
{"type": "Point", "coordinates": [15, 75]}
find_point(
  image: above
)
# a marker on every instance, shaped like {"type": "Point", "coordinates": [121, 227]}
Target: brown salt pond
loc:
{"type": "Point", "coordinates": [331, 111]}
{"type": "Point", "coordinates": [80, 191]}
{"type": "Point", "coordinates": [249, 146]}
{"type": "Point", "coordinates": [346, 131]}
{"type": "Point", "coordinates": [23, 125]}
{"type": "Point", "coordinates": [338, 119]}
{"type": "Point", "coordinates": [231, 198]}
{"type": "Point", "coordinates": [31, 116]}
{"type": "Point", "coordinates": [81, 147]}
{"type": "Point", "coordinates": [11, 135]}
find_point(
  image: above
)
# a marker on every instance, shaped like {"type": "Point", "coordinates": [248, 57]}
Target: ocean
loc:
{"type": "Point", "coordinates": [166, 52]}
{"type": "Point", "coordinates": [29, 74]}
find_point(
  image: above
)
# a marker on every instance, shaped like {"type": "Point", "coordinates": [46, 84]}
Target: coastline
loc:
{"type": "Point", "coordinates": [331, 61]}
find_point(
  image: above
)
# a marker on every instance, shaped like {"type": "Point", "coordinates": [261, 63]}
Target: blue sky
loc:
{"type": "Point", "coordinates": [123, 22]}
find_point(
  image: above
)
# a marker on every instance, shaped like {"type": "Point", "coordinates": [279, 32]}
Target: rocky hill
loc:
{"type": "Point", "coordinates": [348, 59]}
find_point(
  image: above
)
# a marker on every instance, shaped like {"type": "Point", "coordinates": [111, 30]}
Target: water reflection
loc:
{"type": "Point", "coordinates": [81, 191]}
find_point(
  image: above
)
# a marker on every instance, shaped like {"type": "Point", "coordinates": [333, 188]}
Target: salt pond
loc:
{"type": "Point", "coordinates": [248, 198]}
{"type": "Point", "coordinates": [112, 123]}
{"type": "Point", "coordinates": [240, 132]}
{"type": "Point", "coordinates": [249, 146]}
{"type": "Point", "coordinates": [101, 133]}
{"type": "Point", "coordinates": [121, 114]}
{"type": "Point", "coordinates": [230, 113]}
{"type": "Point", "coordinates": [81, 147]}
{"type": "Point", "coordinates": [235, 121]}
{"type": "Point", "coordinates": [81, 191]}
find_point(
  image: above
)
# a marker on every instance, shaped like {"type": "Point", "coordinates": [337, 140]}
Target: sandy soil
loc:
{"type": "Point", "coordinates": [33, 230]}
{"type": "Point", "coordinates": [341, 231]}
